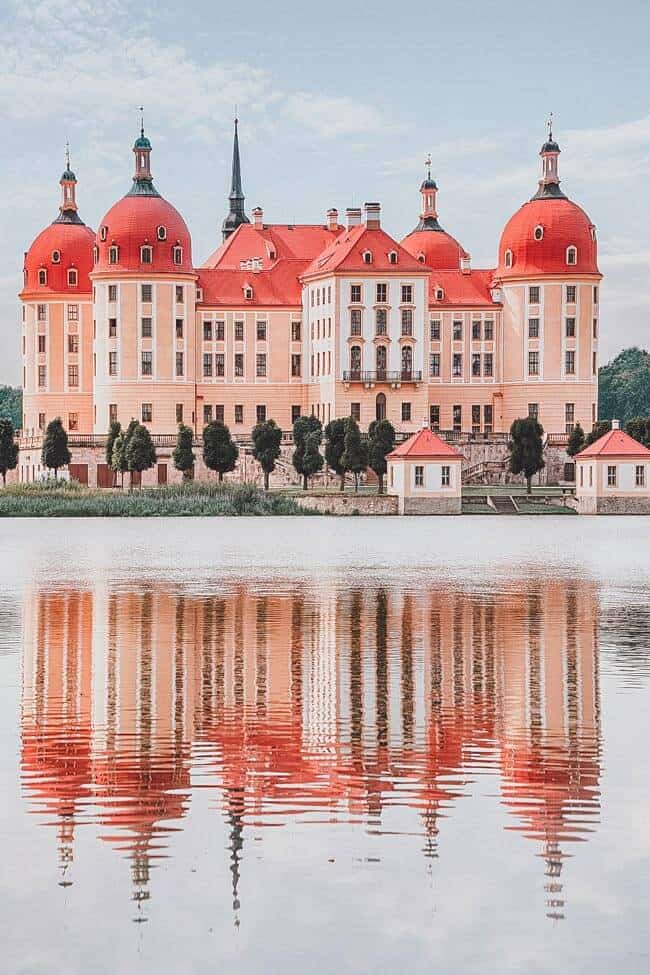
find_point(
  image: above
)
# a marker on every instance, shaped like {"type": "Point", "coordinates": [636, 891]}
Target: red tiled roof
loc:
{"type": "Point", "coordinates": [285, 241]}
{"type": "Point", "coordinates": [74, 241]}
{"type": "Point", "coordinates": [278, 286]}
{"type": "Point", "coordinates": [346, 254]}
{"type": "Point", "coordinates": [424, 443]}
{"type": "Point", "coordinates": [615, 443]}
{"type": "Point", "coordinates": [563, 223]}
{"type": "Point", "coordinates": [439, 249]}
{"type": "Point", "coordinates": [133, 221]}
{"type": "Point", "coordinates": [471, 290]}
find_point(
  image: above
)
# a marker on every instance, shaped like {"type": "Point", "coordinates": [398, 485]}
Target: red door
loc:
{"type": "Point", "coordinates": [105, 476]}
{"type": "Point", "coordinates": [162, 473]}
{"type": "Point", "coordinates": [79, 472]}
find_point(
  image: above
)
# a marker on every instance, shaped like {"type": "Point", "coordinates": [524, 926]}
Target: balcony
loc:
{"type": "Point", "coordinates": [382, 376]}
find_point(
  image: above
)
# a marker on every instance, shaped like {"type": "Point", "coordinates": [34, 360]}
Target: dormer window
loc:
{"type": "Point", "coordinates": [146, 254]}
{"type": "Point", "coordinates": [161, 233]}
{"type": "Point", "coordinates": [421, 258]}
{"type": "Point", "coordinates": [113, 254]}
{"type": "Point", "coordinates": [572, 255]}
{"type": "Point", "coordinates": [72, 277]}
{"type": "Point", "coordinates": [42, 276]}
{"type": "Point", "coordinates": [593, 233]}
{"type": "Point", "coordinates": [177, 254]}
{"type": "Point", "coordinates": [56, 257]}
{"type": "Point", "coordinates": [367, 257]}
{"type": "Point", "coordinates": [439, 294]}
{"type": "Point", "coordinates": [103, 233]}
{"type": "Point", "coordinates": [248, 292]}
{"type": "Point", "coordinates": [508, 259]}
{"type": "Point", "coordinates": [95, 254]}
{"type": "Point", "coordinates": [392, 257]}
{"type": "Point", "coordinates": [538, 233]}
{"type": "Point", "coordinates": [199, 294]}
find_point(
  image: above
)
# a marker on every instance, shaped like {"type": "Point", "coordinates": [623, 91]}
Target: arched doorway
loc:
{"type": "Point", "coordinates": [380, 407]}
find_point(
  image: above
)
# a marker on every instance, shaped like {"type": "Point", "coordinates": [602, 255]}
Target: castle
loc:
{"type": "Point", "coordinates": [285, 320]}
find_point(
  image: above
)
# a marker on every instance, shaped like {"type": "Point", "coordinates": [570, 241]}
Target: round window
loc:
{"type": "Point", "coordinates": [56, 257]}
{"type": "Point", "coordinates": [162, 233]}
{"type": "Point", "coordinates": [539, 232]}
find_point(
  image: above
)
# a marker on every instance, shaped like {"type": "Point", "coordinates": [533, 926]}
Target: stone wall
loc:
{"type": "Point", "coordinates": [621, 505]}
{"type": "Point", "coordinates": [431, 506]}
{"type": "Point", "coordinates": [349, 504]}
{"type": "Point", "coordinates": [493, 452]}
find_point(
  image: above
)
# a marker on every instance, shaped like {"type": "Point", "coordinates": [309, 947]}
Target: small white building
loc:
{"type": "Point", "coordinates": [613, 475]}
{"type": "Point", "coordinates": [425, 474]}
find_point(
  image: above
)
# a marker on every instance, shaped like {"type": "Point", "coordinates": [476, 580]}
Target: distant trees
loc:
{"type": "Point", "coordinates": [526, 448]}
{"type": "Point", "coordinates": [55, 453]}
{"type": "Point", "coordinates": [140, 452]}
{"type": "Point", "coordinates": [11, 405]}
{"type": "Point", "coordinates": [334, 447]}
{"type": "Point", "coordinates": [267, 437]}
{"type": "Point", "coordinates": [355, 453]}
{"type": "Point", "coordinates": [639, 428]}
{"type": "Point", "coordinates": [220, 452]}
{"type": "Point", "coordinates": [307, 436]}
{"type": "Point", "coordinates": [598, 430]}
{"type": "Point", "coordinates": [576, 441]}
{"type": "Point", "coordinates": [381, 440]}
{"type": "Point", "coordinates": [8, 448]}
{"type": "Point", "coordinates": [183, 455]}
{"type": "Point", "coordinates": [624, 386]}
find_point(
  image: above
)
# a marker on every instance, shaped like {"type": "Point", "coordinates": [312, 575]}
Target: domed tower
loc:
{"type": "Point", "coordinates": [57, 321]}
{"type": "Point", "coordinates": [428, 242]}
{"type": "Point", "coordinates": [144, 305]}
{"type": "Point", "coordinates": [549, 277]}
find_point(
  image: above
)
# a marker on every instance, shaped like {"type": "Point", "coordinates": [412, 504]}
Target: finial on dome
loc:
{"type": "Point", "coordinates": [142, 121]}
{"type": "Point", "coordinates": [549, 127]}
{"type": "Point", "coordinates": [549, 184]}
{"type": "Point", "coordinates": [427, 163]}
{"type": "Point", "coordinates": [142, 178]}
{"type": "Point", "coordinates": [67, 154]}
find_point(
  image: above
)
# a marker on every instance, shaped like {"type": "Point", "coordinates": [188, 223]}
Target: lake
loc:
{"type": "Point", "coordinates": [325, 745]}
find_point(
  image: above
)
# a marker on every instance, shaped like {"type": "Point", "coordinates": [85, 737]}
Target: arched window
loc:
{"type": "Point", "coordinates": [146, 254]}
{"type": "Point", "coordinates": [367, 257]}
{"type": "Point", "coordinates": [113, 254]}
{"type": "Point", "coordinates": [95, 254]}
{"type": "Point", "coordinates": [355, 360]}
{"type": "Point", "coordinates": [508, 259]}
{"type": "Point", "coordinates": [162, 233]}
{"type": "Point", "coordinates": [103, 233]}
{"type": "Point", "coordinates": [380, 406]}
{"type": "Point", "coordinates": [56, 257]}
{"type": "Point", "coordinates": [381, 359]}
{"type": "Point", "coordinates": [439, 294]}
{"type": "Point", "coordinates": [538, 233]}
{"type": "Point", "coordinates": [42, 276]}
{"type": "Point", "coordinates": [248, 292]}
{"type": "Point", "coordinates": [407, 362]}
{"type": "Point", "coordinates": [72, 277]}
{"type": "Point", "coordinates": [177, 254]}
{"type": "Point", "coordinates": [421, 258]}
{"type": "Point", "coordinates": [572, 255]}
{"type": "Point", "coordinates": [392, 257]}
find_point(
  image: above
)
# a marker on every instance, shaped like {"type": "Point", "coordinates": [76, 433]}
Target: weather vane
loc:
{"type": "Point", "coordinates": [427, 163]}
{"type": "Point", "coordinates": [67, 154]}
{"type": "Point", "coordinates": [549, 126]}
{"type": "Point", "coordinates": [142, 119]}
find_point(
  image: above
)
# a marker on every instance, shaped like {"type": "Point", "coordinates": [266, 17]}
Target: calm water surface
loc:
{"type": "Point", "coordinates": [323, 745]}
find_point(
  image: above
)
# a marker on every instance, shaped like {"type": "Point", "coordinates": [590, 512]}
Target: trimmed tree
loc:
{"type": "Point", "coordinates": [576, 441]}
{"type": "Point", "coordinates": [220, 452]}
{"type": "Point", "coordinates": [639, 429]}
{"type": "Point", "coordinates": [114, 430]}
{"type": "Point", "coordinates": [355, 454]}
{"type": "Point", "coordinates": [526, 448]}
{"type": "Point", "coordinates": [334, 447]}
{"type": "Point", "coordinates": [118, 458]}
{"type": "Point", "coordinates": [8, 449]}
{"type": "Point", "coordinates": [55, 453]}
{"type": "Point", "coordinates": [183, 455]}
{"type": "Point", "coordinates": [307, 433]}
{"type": "Point", "coordinates": [140, 451]}
{"type": "Point", "coordinates": [381, 436]}
{"type": "Point", "coordinates": [599, 429]}
{"type": "Point", "coordinates": [267, 437]}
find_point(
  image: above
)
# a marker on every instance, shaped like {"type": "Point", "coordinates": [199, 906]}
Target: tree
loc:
{"type": "Point", "coordinates": [576, 441]}
{"type": "Point", "coordinates": [118, 459]}
{"type": "Point", "coordinates": [307, 434]}
{"type": "Point", "coordinates": [381, 436]}
{"type": "Point", "coordinates": [598, 430]}
{"type": "Point", "coordinates": [639, 428]}
{"type": "Point", "coordinates": [355, 454]}
{"type": "Point", "coordinates": [267, 437]}
{"type": "Point", "coordinates": [624, 386]}
{"type": "Point", "coordinates": [334, 447]}
{"type": "Point", "coordinates": [55, 453]}
{"type": "Point", "coordinates": [140, 451]}
{"type": "Point", "coordinates": [526, 448]}
{"type": "Point", "coordinates": [11, 405]}
{"type": "Point", "coordinates": [114, 430]}
{"type": "Point", "coordinates": [183, 455]}
{"type": "Point", "coordinates": [8, 448]}
{"type": "Point", "coordinates": [220, 452]}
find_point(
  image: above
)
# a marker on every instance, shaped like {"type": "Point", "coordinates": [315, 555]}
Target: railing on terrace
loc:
{"type": "Point", "coordinates": [382, 376]}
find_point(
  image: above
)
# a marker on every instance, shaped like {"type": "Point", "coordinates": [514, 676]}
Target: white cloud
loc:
{"type": "Point", "coordinates": [334, 115]}
{"type": "Point", "coordinates": [450, 151]}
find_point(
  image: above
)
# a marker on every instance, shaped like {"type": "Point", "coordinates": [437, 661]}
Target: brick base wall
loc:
{"type": "Point", "coordinates": [430, 506]}
{"type": "Point", "coordinates": [350, 504]}
{"type": "Point", "coordinates": [620, 505]}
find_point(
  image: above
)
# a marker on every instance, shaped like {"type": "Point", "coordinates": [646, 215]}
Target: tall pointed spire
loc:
{"type": "Point", "coordinates": [236, 214]}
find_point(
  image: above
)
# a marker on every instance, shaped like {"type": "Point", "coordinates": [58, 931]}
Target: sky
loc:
{"type": "Point", "coordinates": [339, 103]}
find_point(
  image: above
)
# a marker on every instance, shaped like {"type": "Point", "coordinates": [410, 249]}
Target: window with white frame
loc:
{"type": "Point", "coordinates": [419, 475]}
{"type": "Point", "coordinates": [639, 475]}
{"type": "Point", "coordinates": [445, 475]}
{"type": "Point", "coordinates": [611, 475]}
{"type": "Point", "coordinates": [572, 255]}
{"type": "Point", "coordinates": [177, 254]}
{"type": "Point", "coordinates": [146, 254]}
{"type": "Point", "coordinates": [161, 233]}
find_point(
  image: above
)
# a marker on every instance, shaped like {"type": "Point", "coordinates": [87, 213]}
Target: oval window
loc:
{"type": "Point", "coordinates": [539, 232]}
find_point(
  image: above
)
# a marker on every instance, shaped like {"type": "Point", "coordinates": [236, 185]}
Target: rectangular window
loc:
{"type": "Point", "coordinates": [42, 376]}
{"type": "Point", "coordinates": [355, 321]}
{"type": "Point", "coordinates": [445, 475]}
{"type": "Point", "coordinates": [147, 412]}
{"type": "Point", "coordinates": [207, 364]}
{"type": "Point", "coordinates": [73, 344]}
{"type": "Point", "coordinates": [594, 328]}
{"type": "Point", "coordinates": [457, 331]}
{"type": "Point", "coordinates": [407, 321]}
{"type": "Point", "coordinates": [595, 294]}
{"type": "Point", "coordinates": [41, 421]}
{"type": "Point", "coordinates": [260, 413]}
{"type": "Point", "coordinates": [569, 417]}
{"type": "Point", "coordinates": [112, 412]}
{"type": "Point", "coordinates": [180, 364]}
{"type": "Point", "coordinates": [261, 331]}
{"type": "Point", "coordinates": [407, 294]}
{"type": "Point", "coordinates": [179, 328]}
{"type": "Point", "coordinates": [295, 364]}
{"type": "Point", "coordinates": [146, 291]}
{"type": "Point", "coordinates": [260, 364]}
{"type": "Point", "coordinates": [457, 417]}
{"type": "Point", "coordinates": [570, 362]}
{"type": "Point", "coordinates": [419, 475]}
{"type": "Point", "coordinates": [434, 416]}
{"type": "Point", "coordinates": [295, 413]}
{"type": "Point", "coordinates": [487, 418]}
{"type": "Point", "coordinates": [239, 331]}
{"type": "Point", "coordinates": [42, 339]}
{"type": "Point", "coordinates": [41, 312]}
{"type": "Point", "coordinates": [406, 412]}
{"type": "Point", "coordinates": [639, 475]}
{"type": "Point", "coordinates": [146, 255]}
{"type": "Point", "coordinates": [239, 413]}
{"type": "Point", "coordinates": [533, 410]}
{"type": "Point", "coordinates": [219, 413]}
{"type": "Point", "coordinates": [179, 294]}
{"type": "Point", "coordinates": [476, 418]}
{"type": "Point", "coordinates": [457, 364]}
{"type": "Point", "coordinates": [434, 330]}
{"type": "Point", "coordinates": [476, 331]}
{"type": "Point", "coordinates": [179, 412]}
{"type": "Point", "coordinates": [355, 411]}
{"type": "Point", "coordinates": [434, 364]}
{"type": "Point", "coordinates": [355, 294]}
{"type": "Point", "coordinates": [239, 364]}
{"type": "Point", "coordinates": [382, 294]}
{"type": "Point", "coordinates": [488, 331]}
{"type": "Point", "coordinates": [570, 328]}
{"type": "Point", "coordinates": [112, 292]}
{"type": "Point", "coordinates": [533, 363]}
{"type": "Point", "coordinates": [533, 295]}
{"type": "Point", "coordinates": [219, 331]}
{"type": "Point", "coordinates": [147, 363]}
{"type": "Point", "coordinates": [219, 365]}
{"type": "Point", "coordinates": [488, 367]}
{"type": "Point", "coordinates": [207, 331]}
{"type": "Point", "coordinates": [112, 328]}
{"type": "Point", "coordinates": [381, 321]}
{"type": "Point", "coordinates": [533, 328]}
{"type": "Point", "coordinates": [112, 363]}
{"type": "Point", "coordinates": [611, 475]}
{"type": "Point", "coordinates": [476, 363]}
{"type": "Point", "coordinates": [571, 294]}
{"type": "Point", "coordinates": [295, 331]}
{"type": "Point", "coordinates": [207, 414]}
{"type": "Point", "coordinates": [73, 313]}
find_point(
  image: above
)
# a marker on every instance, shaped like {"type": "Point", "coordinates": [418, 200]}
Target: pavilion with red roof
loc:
{"type": "Point", "coordinates": [613, 475]}
{"type": "Point", "coordinates": [425, 474]}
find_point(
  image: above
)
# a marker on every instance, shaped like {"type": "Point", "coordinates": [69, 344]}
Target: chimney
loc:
{"type": "Point", "coordinates": [258, 218]}
{"type": "Point", "coordinates": [373, 216]}
{"type": "Point", "coordinates": [465, 264]}
{"type": "Point", "coordinates": [332, 218]}
{"type": "Point", "coordinates": [616, 424]}
{"type": "Point", "coordinates": [354, 217]}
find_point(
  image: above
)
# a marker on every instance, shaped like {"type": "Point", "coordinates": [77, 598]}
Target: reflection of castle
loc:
{"type": "Point", "coordinates": [304, 700]}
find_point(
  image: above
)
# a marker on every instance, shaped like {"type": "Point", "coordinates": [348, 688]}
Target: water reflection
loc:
{"type": "Point", "coordinates": [377, 706]}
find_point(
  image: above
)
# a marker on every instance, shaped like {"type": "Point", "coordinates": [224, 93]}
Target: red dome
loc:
{"type": "Point", "coordinates": [438, 248]}
{"type": "Point", "coordinates": [73, 243]}
{"type": "Point", "coordinates": [539, 235]}
{"type": "Point", "coordinates": [141, 219]}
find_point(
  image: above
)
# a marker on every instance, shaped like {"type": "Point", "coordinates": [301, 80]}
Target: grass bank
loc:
{"type": "Point", "coordinates": [69, 500]}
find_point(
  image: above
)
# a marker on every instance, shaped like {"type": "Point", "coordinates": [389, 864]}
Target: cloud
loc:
{"type": "Point", "coordinates": [450, 151]}
{"type": "Point", "coordinates": [334, 115]}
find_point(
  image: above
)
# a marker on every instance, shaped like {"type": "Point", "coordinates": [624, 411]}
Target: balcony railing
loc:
{"type": "Point", "coordinates": [382, 376]}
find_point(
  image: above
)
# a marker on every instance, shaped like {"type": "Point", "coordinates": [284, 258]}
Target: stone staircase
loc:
{"type": "Point", "coordinates": [503, 504]}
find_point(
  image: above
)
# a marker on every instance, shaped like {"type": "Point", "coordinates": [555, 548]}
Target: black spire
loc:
{"type": "Point", "coordinates": [236, 213]}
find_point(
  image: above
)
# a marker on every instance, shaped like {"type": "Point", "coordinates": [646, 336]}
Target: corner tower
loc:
{"type": "Point", "coordinates": [236, 214]}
